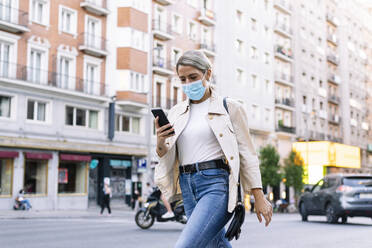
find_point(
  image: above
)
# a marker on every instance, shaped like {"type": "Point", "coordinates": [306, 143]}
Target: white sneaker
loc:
{"type": "Point", "coordinates": [167, 215]}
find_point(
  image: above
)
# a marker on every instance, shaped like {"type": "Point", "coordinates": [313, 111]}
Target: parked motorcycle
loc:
{"type": "Point", "coordinates": [154, 209]}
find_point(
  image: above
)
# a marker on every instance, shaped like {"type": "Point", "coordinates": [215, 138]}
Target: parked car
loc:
{"type": "Point", "coordinates": [338, 196]}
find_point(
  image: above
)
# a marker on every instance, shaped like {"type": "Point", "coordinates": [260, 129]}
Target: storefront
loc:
{"type": "Point", "coordinates": [50, 180]}
{"type": "Point", "coordinates": [324, 157]}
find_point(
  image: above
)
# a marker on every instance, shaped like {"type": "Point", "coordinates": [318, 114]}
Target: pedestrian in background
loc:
{"type": "Point", "coordinates": [107, 193]}
{"type": "Point", "coordinates": [208, 148]}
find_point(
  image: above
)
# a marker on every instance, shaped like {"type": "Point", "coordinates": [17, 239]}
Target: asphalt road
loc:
{"type": "Point", "coordinates": [286, 230]}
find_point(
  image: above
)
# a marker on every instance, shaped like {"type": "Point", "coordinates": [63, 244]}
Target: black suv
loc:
{"type": "Point", "coordinates": [338, 196]}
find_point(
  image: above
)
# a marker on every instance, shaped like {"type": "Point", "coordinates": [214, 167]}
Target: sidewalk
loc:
{"type": "Point", "coordinates": [91, 212]}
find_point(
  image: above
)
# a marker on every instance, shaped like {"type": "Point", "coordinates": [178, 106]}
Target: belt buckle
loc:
{"type": "Point", "coordinates": [224, 160]}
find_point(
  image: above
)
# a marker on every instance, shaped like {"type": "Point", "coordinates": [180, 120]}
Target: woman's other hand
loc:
{"type": "Point", "coordinates": [263, 206]}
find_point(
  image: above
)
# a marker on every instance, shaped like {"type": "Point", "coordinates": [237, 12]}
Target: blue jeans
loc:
{"type": "Point", "coordinates": [26, 202]}
{"type": "Point", "coordinates": [205, 195]}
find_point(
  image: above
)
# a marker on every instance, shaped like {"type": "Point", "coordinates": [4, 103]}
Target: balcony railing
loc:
{"type": "Point", "coordinates": [93, 44]}
{"type": "Point", "coordinates": [282, 128]}
{"type": "Point", "coordinates": [13, 20]}
{"type": "Point", "coordinates": [280, 76]}
{"type": "Point", "coordinates": [98, 7]}
{"type": "Point", "coordinates": [165, 103]}
{"type": "Point", "coordinates": [284, 28]}
{"type": "Point", "coordinates": [334, 138]}
{"type": "Point", "coordinates": [162, 30]}
{"type": "Point", "coordinates": [38, 76]}
{"type": "Point", "coordinates": [161, 66]}
{"type": "Point", "coordinates": [332, 38]}
{"type": "Point", "coordinates": [332, 19]}
{"type": "Point", "coordinates": [287, 52]}
{"type": "Point", "coordinates": [284, 5]}
{"type": "Point", "coordinates": [334, 118]}
{"type": "Point", "coordinates": [207, 17]}
{"type": "Point", "coordinates": [285, 101]}
{"type": "Point", "coordinates": [334, 78]}
{"type": "Point", "coordinates": [334, 99]}
{"type": "Point", "coordinates": [333, 58]}
{"type": "Point", "coordinates": [209, 48]}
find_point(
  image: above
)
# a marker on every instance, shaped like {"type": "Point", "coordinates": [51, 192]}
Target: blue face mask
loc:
{"type": "Point", "coordinates": [195, 90]}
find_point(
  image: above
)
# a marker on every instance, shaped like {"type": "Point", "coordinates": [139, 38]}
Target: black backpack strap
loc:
{"type": "Point", "coordinates": [239, 190]}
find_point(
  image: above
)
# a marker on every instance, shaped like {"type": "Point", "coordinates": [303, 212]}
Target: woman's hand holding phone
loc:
{"type": "Point", "coordinates": [162, 133]}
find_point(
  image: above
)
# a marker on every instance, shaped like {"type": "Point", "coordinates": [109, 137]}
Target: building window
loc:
{"type": "Point", "coordinates": [267, 58]}
{"type": "Point", "coordinates": [35, 178]}
{"type": "Point", "coordinates": [6, 176]}
{"type": "Point", "coordinates": [255, 112]}
{"type": "Point", "coordinates": [81, 117]}
{"type": "Point", "coordinates": [67, 20]}
{"type": "Point", "coordinates": [254, 82]}
{"type": "Point", "coordinates": [175, 55]}
{"type": "Point", "coordinates": [5, 49]}
{"type": "Point", "coordinates": [253, 25]}
{"type": "Point", "coordinates": [239, 46]}
{"type": "Point", "coordinates": [128, 124]}
{"type": "Point", "coordinates": [268, 86]}
{"type": "Point", "coordinates": [40, 11]}
{"type": "Point", "coordinates": [239, 75]}
{"type": "Point", "coordinates": [137, 82]}
{"type": "Point", "coordinates": [5, 106]}
{"type": "Point", "coordinates": [239, 17]}
{"type": "Point", "coordinates": [191, 31]}
{"type": "Point", "coordinates": [267, 115]}
{"type": "Point", "coordinates": [36, 74]}
{"type": "Point", "coordinates": [36, 110]}
{"type": "Point", "coordinates": [177, 23]}
{"type": "Point", "coordinates": [72, 177]}
{"type": "Point", "coordinates": [253, 53]}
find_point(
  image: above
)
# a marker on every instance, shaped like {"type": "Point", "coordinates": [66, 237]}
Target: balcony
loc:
{"type": "Point", "coordinates": [322, 114]}
{"type": "Point", "coordinates": [334, 78]}
{"type": "Point", "coordinates": [286, 103]}
{"type": "Point", "coordinates": [333, 39]}
{"type": "Point", "coordinates": [333, 59]}
{"type": "Point", "coordinates": [208, 48]}
{"type": "Point", "coordinates": [131, 100]}
{"type": "Point", "coordinates": [334, 99]}
{"type": "Point", "coordinates": [284, 78]}
{"type": "Point", "coordinates": [335, 119]}
{"type": "Point", "coordinates": [283, 29]}
{"type": "Point", "coordinates": [13, 20]}
{"type": "Point", "coordinates": [333, 20]}
{"type": "Point", "coordinates": [207, 17]}
{"type": "Point", "coordinates": [284, 6]}
{"type": "Point", "coordinates": [26, 76]}
{"type": "Point", "coordinates": [283, 53]}
{"type": "Point", "coordinates": [93, 45]}
{"type": "Point", "coordinates": [162, 30]}
{"type": "Point", "coordinates": [334, 138]}
{"type": "Point", "coordinates": [164, 2]}
{"type": "Point", "coordinates": [164, 102]}
{"type": "Point", "coordinates": [162, 67]}
{"type": "Point", "coordinates": [281, 128]}
{"type": "Point", "coordinates": [97, 7]}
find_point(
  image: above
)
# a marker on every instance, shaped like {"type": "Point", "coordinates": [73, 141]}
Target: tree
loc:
{"type": "Point", "coordinates": [269, 166]}
{"type": "Point", "coordinates": [294, 172]}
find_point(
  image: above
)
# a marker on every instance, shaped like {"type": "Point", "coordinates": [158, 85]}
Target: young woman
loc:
{"type": "Point", "coordinates": [206, 155]}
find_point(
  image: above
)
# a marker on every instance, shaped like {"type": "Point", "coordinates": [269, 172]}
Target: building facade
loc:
{"type": "Point", "coordinates": [55, 104]}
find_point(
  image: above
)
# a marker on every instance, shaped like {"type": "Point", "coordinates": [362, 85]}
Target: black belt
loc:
{"type": "Point", "coordinates": [212, 164]}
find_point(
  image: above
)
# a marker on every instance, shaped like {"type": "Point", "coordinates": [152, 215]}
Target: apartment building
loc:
{"type": "Point", "coordinates": [244, 64]}
{"type": "Point", "coordinates": [54, 103]}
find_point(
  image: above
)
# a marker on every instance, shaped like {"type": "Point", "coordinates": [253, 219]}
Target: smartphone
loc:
{"type": "Point", "coordinates": [163, 120]}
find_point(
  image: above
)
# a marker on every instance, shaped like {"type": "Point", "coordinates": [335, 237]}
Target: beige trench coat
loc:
{"type": "Point", "coordinates": [232, 132]}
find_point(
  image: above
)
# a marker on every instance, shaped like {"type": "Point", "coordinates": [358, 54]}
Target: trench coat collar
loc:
{"type": "Point", "coordinates": [215, 105]}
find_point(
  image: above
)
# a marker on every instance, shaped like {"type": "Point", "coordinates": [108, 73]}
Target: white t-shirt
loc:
{"type": "Point", "coordinates": [197, 142]}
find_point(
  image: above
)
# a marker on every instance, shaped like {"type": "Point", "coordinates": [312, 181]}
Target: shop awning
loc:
{"type": "Point", "coordinates": [120, 163]}
{"type": "Point", "coordinates": [38, 155]}
{"type": "Point", "coordinates": [75, 157]}
{"type": "Point", "coordinates": [8, 154]}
